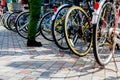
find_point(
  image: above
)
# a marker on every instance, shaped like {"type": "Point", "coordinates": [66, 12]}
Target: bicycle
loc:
{"type": "Point", "coordinates": [81, 31]}
{"type": "Point", "coordinates": [58, 23]}
{"type": "Point", "coordinates": [10, 22]}
{"type": "Point", "coordinates": [103, 20]}
{"type": "Point", "coordinates": [21, 24]}
{"type": "Point", "coordinates": [4, 19]}
{"type": "Point", "coordinates": [44, 24]}
{"type": "Point", "coordinates": [78, 28]}
{"type": "Point", "coordinates": [57, 26]}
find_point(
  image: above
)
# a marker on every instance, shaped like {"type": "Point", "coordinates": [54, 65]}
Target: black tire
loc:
{"type": "Point", "coordinates": [11, 21]}
{"type": "Point", "coordinates": [4, 19]}
{"type": "Point", "coordinates": [57, 26]}
{"type": "Point", "coordinates": [45, 26]}
{"type": "Point", "coordinates": [21, 24]}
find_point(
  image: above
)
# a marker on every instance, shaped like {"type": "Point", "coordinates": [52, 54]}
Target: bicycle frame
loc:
{"type": "Point", "coordinates": [53, 17]}
{"type": "Point", "coordinates": [116, 29]}
{"type": "Point", "coordinates": [96, 11]}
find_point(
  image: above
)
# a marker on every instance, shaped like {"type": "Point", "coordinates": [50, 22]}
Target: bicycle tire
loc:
{"type": "Point", "coordinates": [45, 26]}
{"type": "Point", "coordinates": [21, 24]}
{"type": "Point", "coordinates": [57, 32]}
{"type": "Point", "coordinates": [102, 41]}
{"type": "Point", "coordinates": [5, 18]}
{"type": "Point", "coordinates": [11, 21]}
{"type": "Point", "coordinates": [82, 36]}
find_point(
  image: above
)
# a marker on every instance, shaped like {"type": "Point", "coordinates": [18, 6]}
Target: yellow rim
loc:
{"type": "Point", "coordinates": [66, 19]}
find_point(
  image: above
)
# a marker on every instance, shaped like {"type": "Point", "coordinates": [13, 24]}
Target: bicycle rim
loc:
{"type": "Point", "coordinates": [21, 24]}
{"type": "Point", "coordinates": [57, 27]}
{"type": "Point", "coordinates": [46, 26]}
{"type": "Point", "coordinates": [103, 43]}
{"type": "Point", "coordinates": [78, 31]}
{"type": "Point", "coordinates": [11, 21]}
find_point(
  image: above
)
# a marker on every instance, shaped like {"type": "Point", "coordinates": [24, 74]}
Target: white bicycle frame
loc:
{"type": "Point", "coordinates": [96, 12]}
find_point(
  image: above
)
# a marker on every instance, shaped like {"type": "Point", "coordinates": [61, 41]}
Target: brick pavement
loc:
{"type": "Point", "coordinates": [18, 62]}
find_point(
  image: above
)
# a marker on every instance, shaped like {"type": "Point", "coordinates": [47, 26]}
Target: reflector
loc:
{"type": "Point", "coordinates": [96, 5]}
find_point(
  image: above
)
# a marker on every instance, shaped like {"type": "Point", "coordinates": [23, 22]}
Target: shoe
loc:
{"type": "Point", "coordinates": [33, 43]}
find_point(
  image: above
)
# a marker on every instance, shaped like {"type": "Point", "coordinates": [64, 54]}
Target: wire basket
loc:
{"type": "Point", "coordinates": [14, 7]}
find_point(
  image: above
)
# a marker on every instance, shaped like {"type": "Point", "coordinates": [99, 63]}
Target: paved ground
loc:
{"type": "Point", "coordinates": [18, 62]}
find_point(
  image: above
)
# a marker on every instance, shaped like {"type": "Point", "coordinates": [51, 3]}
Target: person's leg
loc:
{"type": "Point", "coordinates": [35, 7]}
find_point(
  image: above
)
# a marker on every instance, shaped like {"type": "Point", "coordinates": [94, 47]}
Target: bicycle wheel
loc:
{"type": "Point", "coordinates": [45, 26]}
{"type": "Point", "coordinates": [21, 24]}
{"type": "Point", "coordinates": [1, 19]}
{"type": "Point", "coordinates": [57, 26]}
{"type": "Point", "coordinates": [11, 21]}
{"type": "Point", "coordinates": [4, 19]}
{"type": "Point", "coordinates": [78, 31]}
{"type": "Point", "coordinates": [102, 41]}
